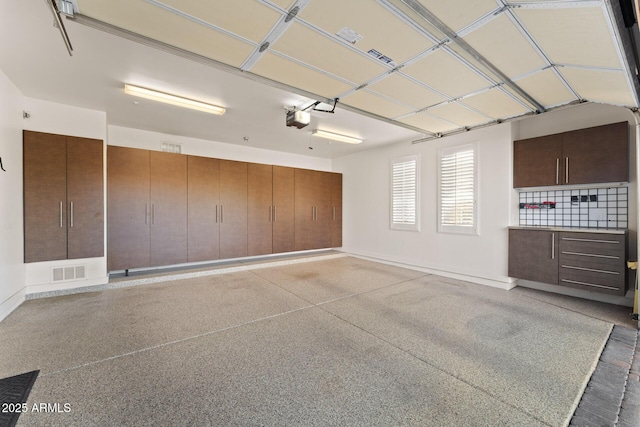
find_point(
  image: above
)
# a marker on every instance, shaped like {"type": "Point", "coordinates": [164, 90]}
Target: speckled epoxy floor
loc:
{"type": "Point", "coordinates": [339, 341]}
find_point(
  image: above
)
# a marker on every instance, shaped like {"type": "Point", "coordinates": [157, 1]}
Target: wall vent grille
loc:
{"type": "Point", "coordinates": [76, 272]}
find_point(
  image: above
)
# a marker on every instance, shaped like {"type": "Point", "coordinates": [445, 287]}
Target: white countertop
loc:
{"type": "Point", "coordinates": [570, 230]}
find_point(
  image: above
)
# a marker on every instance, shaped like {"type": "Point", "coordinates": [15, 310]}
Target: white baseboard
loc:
{"type": "Point", "coordinates": [500, 284]}
{"type": "Point", "coordinates": [12, 303]}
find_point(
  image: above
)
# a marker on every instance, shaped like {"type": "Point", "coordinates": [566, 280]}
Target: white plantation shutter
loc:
{"type": "Point", "coordinates": [458, 189]}
{"type": "Point", "coordinates": [404, 193]}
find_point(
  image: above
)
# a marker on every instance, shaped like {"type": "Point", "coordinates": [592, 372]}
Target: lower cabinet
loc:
{"type": "Point", "coordinates": [596, 262]}
{"type": "Point", "coordinates": [533, 255]}
{"type": "Point", "coordinates": [589, 261]}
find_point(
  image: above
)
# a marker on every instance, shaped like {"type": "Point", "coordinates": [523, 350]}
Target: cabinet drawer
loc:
{"type": "Point", "coordinates": [593, 281]}
{"type": "Point", "coordinates": [596, 247]}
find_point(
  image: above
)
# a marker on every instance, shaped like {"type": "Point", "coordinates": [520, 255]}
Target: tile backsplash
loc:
{"type": "Point", "coordinates": [583, 208]}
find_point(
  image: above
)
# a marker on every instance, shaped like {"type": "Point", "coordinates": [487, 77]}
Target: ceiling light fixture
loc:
{"type": "Point", "coordinates": [336, 136]}
{"type": "Point", "coordinates": [173, 99]}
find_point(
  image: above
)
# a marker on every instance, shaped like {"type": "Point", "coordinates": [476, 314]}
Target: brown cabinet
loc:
{"type": "Point", "coordinates": [283, 209]}
{"type": "Point", "coordinates": [169, 209]}
{"type": "Point", "coordinates": [589, 261]}
{"type": "Point", "coordinates": [147, 208]}
{"type": "Point", "coordinates": [313, 211]}
{"type": "Point", "coordinates": [336, 210]}
{"type": "Point", "coordinates": [593, 262]}
{"type": "Point", "coordinates": [233, 209]}
{"type": "Point", "coordinates": [168, 205]}
{"type": "Point", "coordinates": [271, 225]}
{"type": "Point", "coordinates": [260, 209]}
{"type": "Point", "coordinates": [533, 255]}
{"type": "Point", "coordinates": [63, 197]}
{"type": "Point", "coordinates": [203, 201]}
{"type": "Point", "coordinates": [594, 155]}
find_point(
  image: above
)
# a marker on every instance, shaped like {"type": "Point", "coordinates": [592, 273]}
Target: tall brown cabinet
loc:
{"type": "Point", "coordinates": [63, 197]}
{"type": "Point", "coordinates": [147, 208]}
{"type": "Point", "coordinates": [169, 209]}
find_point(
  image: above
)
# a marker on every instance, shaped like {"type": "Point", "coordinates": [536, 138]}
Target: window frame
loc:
{"type": "Point", "coordinates": [457, 228]}
{"type": "Point", "coordinates": [399, 225]}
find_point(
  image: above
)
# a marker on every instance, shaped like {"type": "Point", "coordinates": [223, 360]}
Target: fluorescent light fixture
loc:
{"type": "Point", "coordinates": [336, 136]}
{"type": "Point", "coordinates": [172, 99]}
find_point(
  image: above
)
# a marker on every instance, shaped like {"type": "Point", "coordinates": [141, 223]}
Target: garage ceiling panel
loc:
{"type": "Point", "coordinates": [380, 29]}
{"type": "Point", "coordinates": [315, 49]}
{"type": "Point", "coordinates": [496, 104]}
{"type": "Point", "coordinates": [247, 18]}
{"type": "Point", "coordinates": [429, 123]}
{"type": "Point", "coordinates": [376, 104]}
{"type": "Point", "coordinates": [459, 114]}
{"type": "Point", "coordinates": [443, 71]}
{"type": "Point", "coordinates": [401, 88]}
{"type": "Point", "coordinates": [282, 70]}
{"type": "Point", "coordinates": [500, 42]}
{"type": "Point", "coordinates": [600, 86]}
{"type": "Point", "coordinates": [547, 88]}
{"type": "Point", "coordinates": [575, 36]}
{"type": "Point", "coordinates": [458, 14]}
{"type": "Point", "coordinates": [168, 28]}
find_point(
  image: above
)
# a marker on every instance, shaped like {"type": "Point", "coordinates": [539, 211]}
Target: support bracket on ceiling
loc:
{"type": "Point", "coordinates": [315, 104]}
{"type": "Point", "coordinates": [59, 24]}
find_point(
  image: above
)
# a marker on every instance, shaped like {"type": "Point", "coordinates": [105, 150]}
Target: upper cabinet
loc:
{"type": "Point", "coordinates": [63, 197]}
{"type": "Point", "coordinates": [586, 156]}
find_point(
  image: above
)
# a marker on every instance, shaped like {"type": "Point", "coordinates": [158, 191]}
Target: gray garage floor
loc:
{"type": "Point", "coordinates": [328, 341]}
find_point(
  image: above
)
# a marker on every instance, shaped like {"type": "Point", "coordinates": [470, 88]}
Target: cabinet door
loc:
{"type": "Point", "coordinates": [283, 209]}
{"type": "Point", "coordinates": [595, 155]}
{"type": "Point", "coordinates": [45, 211]}
{"type": "Point", "coordinates": [168, 195]}
{"type": "Point", "coordinates": [233, 209]}
{"type": "Point", "coordinates": [128, 208]}
{"type": "Point", "coordinates": [260, 209]}
{"type": "Point", "coordinates": [313, 210]}
{"type": "Point", "coordinates": [336, 214]}
{"type": "Point", "coordinates": [203, 209]}
{"type": "Point", "coordinates": [85, 198]}
{"type": "Point", "coordinates": [537, 161]}
{"type": "Point", "coordinates": [305, 203]}
{"type": "Point", "coordinates": [533, 255]}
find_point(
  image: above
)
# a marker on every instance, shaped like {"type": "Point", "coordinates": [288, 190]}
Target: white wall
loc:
{"type": "Point", "coordinates": [62, 119]}
{"type": "Point", "coordinates": [366, 187]}
{"type": "Point", "coordinates": [135, 138]}
{"type": "Point", "coordinates": [12, 275]}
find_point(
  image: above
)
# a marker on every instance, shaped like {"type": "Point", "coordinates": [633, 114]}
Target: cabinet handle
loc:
{"type": "Point", "coordinates": [71, 210]}
{"type": "Point", "coordinates": [270, 213]}
{"type": "Point", "coordinates": [334, 213]}
{"type": "Point", "coordinates": [216, 214]}
{"type": "Point", "coordinates": [575, 239]}
{"type": "Point", "coordinates": [566, 170]}
{"type": "Point", "coordinates": [553, 245]}
{"type": "Point", "coordinates": [61, 224]}
{"type": "Point", "coordinates": [613, 288]}
{"type": "Point", "coordinates": [557, 170]}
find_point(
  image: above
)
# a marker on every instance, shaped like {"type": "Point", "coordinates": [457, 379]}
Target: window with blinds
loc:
{"type": "Point", "coordinates": [458, 186]}
{"type": "Point", "coordinates": [404, 193]}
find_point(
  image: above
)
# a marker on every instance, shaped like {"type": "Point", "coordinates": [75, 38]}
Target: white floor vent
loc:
{"type": "Point", "coordinates": [76, 272]}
